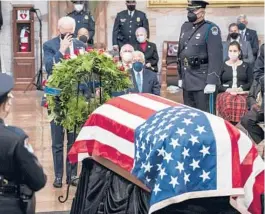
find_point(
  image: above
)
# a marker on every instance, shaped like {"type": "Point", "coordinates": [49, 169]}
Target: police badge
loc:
{"type": "Point", "coordinates": [138, 19]}
{"type": "Point", "coordinates": [86, 16]}
{"type": "Point", "coordinates": [214, 30]}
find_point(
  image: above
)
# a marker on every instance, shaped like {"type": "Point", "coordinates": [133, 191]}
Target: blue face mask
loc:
{"type": "Point", "coordinates": [138, 66]}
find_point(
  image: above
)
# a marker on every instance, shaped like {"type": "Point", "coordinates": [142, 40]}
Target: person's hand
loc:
{"type": "Point", "coordinates": [209, 89]}
{"type": "Point", "coordinates": [239, 89]}
{"type": "Point", "coordinates": [115, 47]}
{"type": "Point", "coordinates": [65, 43]}
{"type": "Point", "coordinates": [148, 64]}
{"type": "Point", "coordinates": [229, 90]}
{"type": "Point", "coordinates": [180, 83]}
{"type": "Point", "coordinates": [255, 107]}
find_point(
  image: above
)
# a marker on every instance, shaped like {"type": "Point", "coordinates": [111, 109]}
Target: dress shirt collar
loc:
{"type": "Point", "coordinates": [131, 12]}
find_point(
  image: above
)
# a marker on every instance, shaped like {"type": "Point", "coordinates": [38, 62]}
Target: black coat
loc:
{"type": "Point", "coordinates": [125, 27]}
{"type": "Point", "coordinates": [150, 54]}
{"type": "Point", "coordinates": [252, 37]}
{"type": "Point", "coordinates": [258, 70]}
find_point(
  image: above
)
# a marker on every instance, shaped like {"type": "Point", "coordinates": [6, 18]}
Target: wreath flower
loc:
{"type": "Point", "coordinates": [81, 70]}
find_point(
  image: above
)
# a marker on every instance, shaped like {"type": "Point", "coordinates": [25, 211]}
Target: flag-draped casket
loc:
{"type": "Point", "coordinates": [178, 152]}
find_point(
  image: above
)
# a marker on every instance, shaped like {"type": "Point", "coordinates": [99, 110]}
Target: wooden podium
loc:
{"type": "Point", "coordinates": [23, 46]}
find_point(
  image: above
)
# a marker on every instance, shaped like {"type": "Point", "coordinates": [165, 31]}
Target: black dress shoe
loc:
{"type": "Point", "coordinates": [58, 183]}
{"type": "Point", "coordinates": [73, 181]}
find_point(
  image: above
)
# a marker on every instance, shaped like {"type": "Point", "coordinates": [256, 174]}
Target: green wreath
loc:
{"type": "Point", "coordinates": [64, 109]}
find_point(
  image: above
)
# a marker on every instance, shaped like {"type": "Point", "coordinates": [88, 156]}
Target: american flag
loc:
{"type": "Point", "coordinates": [177, 151]}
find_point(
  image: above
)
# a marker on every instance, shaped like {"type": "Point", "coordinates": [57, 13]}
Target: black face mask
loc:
{"type": "Point", "coordinates": [83, 38]}
{"type": "Point", "coordinates": [241, 26]}
{"type": "Point", "coordinates": [192, 17]}
{"type": "Point", "coordinates": [63, 35]}
{"type": "Point", "coordinates": [234, 35]}
{"type": "Point", "coordinates": [131, 7]}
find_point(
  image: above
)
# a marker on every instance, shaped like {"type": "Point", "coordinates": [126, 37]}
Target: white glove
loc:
{"type": "Point", "coordinates": [209, 89]}
{"type": "Point", "coordinates": [180, 83]}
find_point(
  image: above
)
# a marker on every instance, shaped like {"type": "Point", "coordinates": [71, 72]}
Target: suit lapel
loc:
{"type": "Point", "coordinates": [246, 35]}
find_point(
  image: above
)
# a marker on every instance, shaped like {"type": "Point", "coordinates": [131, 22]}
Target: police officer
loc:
{"type": "Point", "coordinates": [83, 19]}
{"type": "Point", "coordinates": [200, 57]}
{"type": "Point", "coordinates": [20, 172]}
{"type": "Point", "coordinates": [125, 25]}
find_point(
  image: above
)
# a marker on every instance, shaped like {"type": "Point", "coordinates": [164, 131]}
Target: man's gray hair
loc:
{"type": "Point", "coordinates": [126, 46]}
{"type": "Point", "coordinates": [138, 54]}
{"type": "Point", "coordinates": [241, 16]}
{"type": "Point", "coordinates": [66, 20]}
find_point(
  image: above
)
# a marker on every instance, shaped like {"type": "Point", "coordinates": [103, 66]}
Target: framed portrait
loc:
{"type": "Point", "coordinates": [213, 3]}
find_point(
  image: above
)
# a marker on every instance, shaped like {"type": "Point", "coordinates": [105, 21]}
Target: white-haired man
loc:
{"type": "Point", "coordinates": [145, 80]}
{"type": "Point", "coordinates": [54, 51]}
{"type": "Point", "coordinates": [248, 34]}
{"type": "Point", "coordinates": [126, 56]}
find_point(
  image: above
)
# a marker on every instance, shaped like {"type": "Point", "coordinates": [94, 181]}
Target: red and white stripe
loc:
{"type": "Point", "coordinates": [109, 131]}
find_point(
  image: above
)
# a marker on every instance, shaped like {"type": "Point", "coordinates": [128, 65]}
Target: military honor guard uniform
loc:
{"type": "Point", "coordinates": [200, 58]}
{"type": "Point", "coordinates": [126, 23]}
{"type": "Point", "coordinates": [20, 172]}
{"type": "Point", "coordinates": [83, 19]}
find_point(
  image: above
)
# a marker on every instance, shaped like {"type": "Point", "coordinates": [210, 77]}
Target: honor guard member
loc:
{"type": "Point", "coordinates": [83, 19]}
{"type": "Point", "coordinates": [125, 25]}
{"type": "Point", "coordinates": [200, 58]}
{"type": "Point", "coordinates": [20, 172]}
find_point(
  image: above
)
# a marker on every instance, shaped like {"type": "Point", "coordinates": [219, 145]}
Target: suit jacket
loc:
{"type": "Point", "coordinates": [258, 70]}
{"type": "Point", "coordinates": [125, 26]}
{"type": "Point", "coordinates": [150, 82]}
{"type": "Point", "coordinates": [245, 48]}
{"type": "Point", "coordinates": [52, 54]}
{"type": "Point", "coordinates": [253, 93]}
{"type": "Point", "coordinates": [150, 54]}
{"type": "Point", "coordinates": [252, 37]}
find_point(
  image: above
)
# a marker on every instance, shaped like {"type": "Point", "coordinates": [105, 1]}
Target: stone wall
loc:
{"type": "Point", "coordinates": [165, 23]}
{"type": "Point", "coordinates": [6, 31]}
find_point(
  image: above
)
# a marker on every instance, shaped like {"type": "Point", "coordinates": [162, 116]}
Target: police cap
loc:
{"type": "Point", "coordinates": [6, 84]}
{"type": "Point", "coordinates": [130, 1]}
{"type": "Point", "coordinates": [197, 4]}
{"type": "Point", "coordinates": [77, 2]}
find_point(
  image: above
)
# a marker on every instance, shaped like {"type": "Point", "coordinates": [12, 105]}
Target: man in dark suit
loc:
{"type": "Point", "coordinates": [54, 51]}
{"type": "Point", "coordinates": [125, 25]}
{"type": "Point", "coordinates": [144, 80]}
{"type": "Point", "coordinates": [248, 34]}
{"type": "Point", "coordinates": [258, 70]}
{"type": "Point", "coordinates": [148, 48]}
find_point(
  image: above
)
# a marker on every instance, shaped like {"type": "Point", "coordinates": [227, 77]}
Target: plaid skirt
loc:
{"type": "Point", "coordinates": [231, 107]}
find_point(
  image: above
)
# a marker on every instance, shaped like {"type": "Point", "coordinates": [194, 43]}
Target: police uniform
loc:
{"type": "Point", "coordinates": [20, 171]}
{"type": "Point", "coordinates": [84, 19]}
{"type": "Point", "coordinates": [200, 58]}
{"type": "Point", "coordinates": [125, 26]}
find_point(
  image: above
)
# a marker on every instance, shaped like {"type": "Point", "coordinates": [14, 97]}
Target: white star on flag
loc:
{"type": "Point", "coordinates": [154, 141]}
{"type": "Point", "coordinates": [205, 175]}
{"type": "Point", "coordinates": [180, 167]}
{"type": "Point", "coordinates": [200, 129]}
{"type": "Point", "coordinates": [148, 138]}
{"type": "Point", "coordinates": [194, 139]}
{"type": "Point", "coordinates": [187, 121]}
{"type": "Point", "coordinates": [181, 131]}
{"type": "Point", "coordinates": [154, 121]}
{"type": "Point", "coordinates": [157, 132]}
{"type": "Point", "coordinates": [137, 155]}
{"type": "Point", "coordinates": [161, 152]}
{"type": "Point", "coordinates": [193, 114]}
{"type": "Point", "coordinates": [195, 164]}
{"type": "Point", "coordinates": [174, 181]}
{"type": "Point", "coordinates": [137, 143]}
{"type": "Point", "coordinates": [159, 113]}
{"type": "Point", "coordinates": [159, 167]}
{"type": "Point", "coordinates": [173, 118]}
{"type": "Point", "coordinates": [143, 126]}
{"type": "Point", "coordinates": [162, 173]}
{"type": "Point", "coordinates": [205, 150]}
{"type": "Point", "coordinates": [185, 152]}
{"type": "Point", "coordinates": [148, 167]}
{"type": "Point", "coordinates": [186, 177]}
{"type": "Point", "coordinates": [147, 179]}
{"type": "Point", "coordinates": [162, 123]}
{"type": "Point", "coordinates": [174, 142]}
{"type": "Point", "coordinates": [180, 113]}
{"type": "Point", "coordinates": [156, 189]}
{"type": "Point", "coordinates": [168, 157]}
{"type": "Point", "coordinates": [167, 116]}
{"type": "Point", "coordinates": [151, 129]}
{"type": "Point", "coordinates": [163, 137]}
{"type": "Point", "coordinates": [168, 126]}
{"type": "Point", "coordinates": [143, 147]}
{"type": "Point", "coordinates": [141, 134]}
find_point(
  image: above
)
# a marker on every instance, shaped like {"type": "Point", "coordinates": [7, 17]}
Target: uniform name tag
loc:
{"type": "Point", "coordinates": [52, 91]}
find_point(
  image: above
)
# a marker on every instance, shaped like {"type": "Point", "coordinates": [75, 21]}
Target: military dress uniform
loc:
{"type": "Point", "coordinates": [200, 58]}
{"type": "Point", "coordinates": [84, 19]}
{"type": "Point", "coordinates": [20, 171]}
{"type": "Point", "coordinates": [125, 26]}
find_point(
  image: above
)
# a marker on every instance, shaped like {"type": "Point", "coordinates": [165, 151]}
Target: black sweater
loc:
{"type": "Point", "coordinates": [244, 77]}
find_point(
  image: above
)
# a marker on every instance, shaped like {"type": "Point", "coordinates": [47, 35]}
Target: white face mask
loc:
{"type": "Point", "coordinates": [79, 7]}
{"type": "Point", "coordinates": [141, 39]}
{"type": "Point", "coordinates": [233, 56]}
{"type": "Point", "coordinates": [127, 57]}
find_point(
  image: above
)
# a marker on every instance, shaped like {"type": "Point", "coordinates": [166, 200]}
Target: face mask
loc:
{"type": "Point", "coordinates": [127, 57]}
{"type": "Point", "coordinates": [138, 66]}
{"type": "Point", "coordinates": [131, 7]}
{"type": "Point", "coordinates": [241, 26]}
{"type": "Point", "coordinates": [192, 17]}
{"type": "Point", "coordinates": [79, 7]}
{"type": "Point", "coordinates": [62, 35]}
{"type": "Point", "coordinates": [234, 35]}
{"type": "Point", "coordinates": [83, 38]}
{"type": "Point", "coordinates": [233, 56]}
{"type": "Point", "coordinates": [141, 39]}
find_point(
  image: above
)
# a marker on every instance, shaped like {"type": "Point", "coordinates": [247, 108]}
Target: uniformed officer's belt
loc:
{"type": "Point", "coordinates": [192, 61]}
{"type": "Point", "coordinates": [9, 190]}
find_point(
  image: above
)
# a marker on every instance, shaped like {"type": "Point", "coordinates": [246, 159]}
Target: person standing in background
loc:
{"type": "Point", "coordinates": [248, 34]}
{"type": "Point", "coordinates": [125, 25]}
{"type": "Point", "coordinates": [200, 58]}
{"type": "Point", "coordinates": [83, 19]}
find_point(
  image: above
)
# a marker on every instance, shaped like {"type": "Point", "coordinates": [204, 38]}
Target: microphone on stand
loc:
{"type": "Point", "coordinates": [34, 10]}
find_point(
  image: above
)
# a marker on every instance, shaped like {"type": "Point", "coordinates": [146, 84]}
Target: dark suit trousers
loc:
{"type": "Point", "coordinates": [250, 123]}
{"type": "Point", "coordinates": [57, 132]}
{"type": "Point", "coordinates": [196, 99]}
